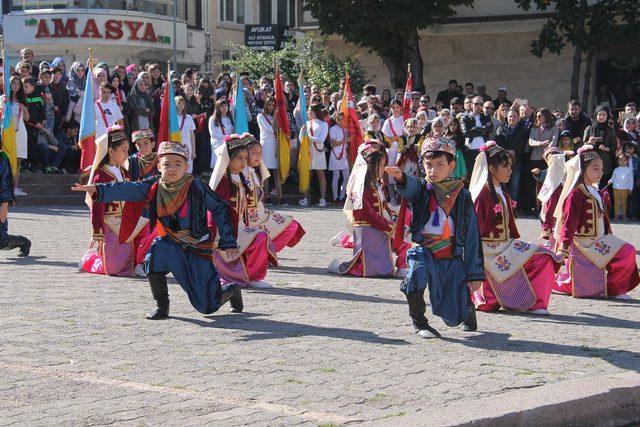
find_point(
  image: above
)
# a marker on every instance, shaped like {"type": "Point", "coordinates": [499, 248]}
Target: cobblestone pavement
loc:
{"type": "Point", "coordinates": [316, 349]}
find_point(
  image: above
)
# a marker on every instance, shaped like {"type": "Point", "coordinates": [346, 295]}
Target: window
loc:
{"type": "Point", "coordinates": [281, 12]}
{"type": "Point", "coordinates": [265, 12]}
{"type": "Point", "coordinates": [232, 11]}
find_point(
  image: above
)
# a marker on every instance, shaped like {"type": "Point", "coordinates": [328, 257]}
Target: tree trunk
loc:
{"type": "Point", "coordinates": [586, 90]}
{"type": "Point", "coordinates": [575, 73]}
{"type": "Point", "coordinates": [394, 65]}
{"type": "Point", "coordinates": [411, 52]}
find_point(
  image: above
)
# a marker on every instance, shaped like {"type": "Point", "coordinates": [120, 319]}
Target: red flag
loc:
{"type": "Point", "coordinates": [406, 103]}
{"type": "Point", "coordinates": [352, 123]}
{"type": "Point", "coordinates": [163, 127]}
{"type": "Point", "coordinates": [398, 237]}
{"type": "Point", "coordinates": [283, 135]}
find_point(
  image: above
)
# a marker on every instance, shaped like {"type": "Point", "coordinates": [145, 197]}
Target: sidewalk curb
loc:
{"type": "Point", "coordinates": [611, 400]}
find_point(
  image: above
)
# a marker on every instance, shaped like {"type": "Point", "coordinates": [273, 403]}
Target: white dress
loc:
{"type": "Point", "coordinates": [268, 141]}
{"type": "Point", "coordinates": [317, 131]}
{"type": "Point", "coordinates": [186, 127]}
{"type": "Point", "coordinates": [393, 126]}
{"type": "Point", "coordinates": [338, 158]}
{"type": "Point", "coordinates": [21, 130]}
{"type": "Point", "coordinates": [217, 135]}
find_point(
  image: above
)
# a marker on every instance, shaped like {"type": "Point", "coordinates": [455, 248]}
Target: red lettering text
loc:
{"type": "Point", "coordinates": [43, 29]}
{"type": "Point", "coordinates": [149, 34]}
{"type": "Point", "coordinates": [133, 29]}
{"type": "Point", "coordinates": [62, 29]}
{"type": "Point", "coordinates": [91, 30]}
{"type": "Point", "coordinates": [113, 29]}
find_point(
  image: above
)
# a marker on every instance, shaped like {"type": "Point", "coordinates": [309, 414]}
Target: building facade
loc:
{"type": "Point", "coordinates": [118, 31]}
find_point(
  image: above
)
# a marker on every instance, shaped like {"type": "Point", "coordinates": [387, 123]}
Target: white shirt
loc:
{"type": "Point", "coordinates": [398, 126]}
{"type": "Point", "coordinates": [501, 194]}
{"type": "Point", "coordinates": [622, 178]}
{"type": "Point", "coordinates": [112, 114]}
{"type": "Point", "coordinates": [595, 193]}
{"type": "Point", "coordinates": [429, 228]}
{"type": "Point", "coordinates": [477, 142]}
{"type": "Point", "coordinates": [115, 171]}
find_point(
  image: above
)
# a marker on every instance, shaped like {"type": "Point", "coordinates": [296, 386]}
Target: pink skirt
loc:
{"type": "Point", "coordinates": [540, 270]}
{"type": "Point", "coordinates": [111, 258]}
{"type": "Point", "coordinates": [290, 236]}
{"type": "Point", "coordinates": [252, 264]}
{"type": "Point", "coordinates": [621, 274]}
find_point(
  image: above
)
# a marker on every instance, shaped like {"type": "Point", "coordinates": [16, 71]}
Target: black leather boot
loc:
{"type": "Point", "coordinates": [233, 294]}
{"type": "Point", "coordinates": [160, 292]}
{"type": "Point", "coordinates": [417, 308]}
{"type": "Point", "coordinates": [471, 324]}
{"type": "Point", "coordinates": [18, 242]}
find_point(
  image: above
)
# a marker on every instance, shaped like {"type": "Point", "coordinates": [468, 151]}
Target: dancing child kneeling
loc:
{"type": "Point", "coordinates": [179, 204]}
{"type": "Point", "coordinates": [448, 254]}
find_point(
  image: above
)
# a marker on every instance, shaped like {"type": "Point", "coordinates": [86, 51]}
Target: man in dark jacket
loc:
{"type": "Point", "coordinates": [445, 96]}
{"type": "Point", "coordinates": [476, 128]}
{"type": "Point", "coordinates": [514, 136]}
{"type": "Point", "coordinates": [60, 96]}
{"type": "Point", "coordinates": [576, 120]}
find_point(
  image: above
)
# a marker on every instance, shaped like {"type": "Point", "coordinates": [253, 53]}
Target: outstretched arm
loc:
{"type": "Point", "coordinates": [117, 191]}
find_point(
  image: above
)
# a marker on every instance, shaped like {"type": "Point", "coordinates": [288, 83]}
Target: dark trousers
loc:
{"type": "Point", "coordinates": [417, 309]}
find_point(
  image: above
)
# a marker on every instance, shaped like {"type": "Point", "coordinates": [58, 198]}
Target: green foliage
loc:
{"type": "Point", "coordinates": [380, 25]}
{"type": "Point", "coordinates": [587, 25]}
{"type": "Point", "coordinates": [319, 66]}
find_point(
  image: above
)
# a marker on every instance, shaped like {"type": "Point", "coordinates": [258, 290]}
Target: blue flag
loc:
{"type": "Point", "coordinates": [240, 114]}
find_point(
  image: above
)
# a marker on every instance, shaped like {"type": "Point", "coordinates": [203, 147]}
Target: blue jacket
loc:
{"type": "Point", "coordinates": [467, 242]}
{"type": "Point", "coordinates": [6, 179]}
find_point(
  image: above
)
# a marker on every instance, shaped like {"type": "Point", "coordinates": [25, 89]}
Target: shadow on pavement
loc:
{"type": "Point", "coordinates": [266, 329]}
{"type": "Point", "coordinates": [319, 293]}
{"type": "Point", "coordinates": [40, 260]}
{"type": "Point", "coordinates": [591, 319]}
{"type": "Point", "coordinates": [623, 359]}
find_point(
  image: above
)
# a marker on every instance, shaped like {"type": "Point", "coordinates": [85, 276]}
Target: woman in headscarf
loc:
{"type": "Point", "coordinates": [75, 86]}
{"type": "Point", "coordinates": [141, 106]}
{"type": "Point", "coordinates": [99, 76]}
{"type": "Point", "coordinates": [59, 62]}
{"type": "Point", "coordinates": [603, 139]}
{"type": "Point", "coordinates": [629, 131]}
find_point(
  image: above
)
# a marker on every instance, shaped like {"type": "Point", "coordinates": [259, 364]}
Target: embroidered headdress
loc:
{"type": "Point", "coordinates": [177, 148]}
{"type": "Point", "coordinates": [142, 134]}
{"type": "Point", "coordinates": [443, 145]}
{"type": "Point", "coordinates": [480, 173]}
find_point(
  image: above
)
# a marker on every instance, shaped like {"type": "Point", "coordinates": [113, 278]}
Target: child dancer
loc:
{"type": "Point", "coordinates": [116, 251]}
{"type": "Point", "coordinates": [412, 140]}
{"type": "Point", "coordinates": [140, 166]}
{"type": "Point", "coordinates": [7, 241]}
{"type": "Point", "coordinates": [448, 255]}
{"type": "Point", "coordinates": [144, 163]}
{"type": "Point", "coordinates": [550, 192]}
{"type": "Point", "coordinates": [338, 158]}
{"type": "Point", "coordinates": [373, 225]}
{"type": "Point", "coordinates": [256, 249]}
{"type": "Point", "coordinates": [599, 264]}
{"type": "Point", "coordinates": [179, 204]}
{"type": "Point", "coordinates": [519, 274]}
{"type": "Point", "coordinates": [283, 230]}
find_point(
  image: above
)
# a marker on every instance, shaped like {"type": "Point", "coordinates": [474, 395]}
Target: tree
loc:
{"type": "Point", "coordinates": [319, 66]}
{"type": "Point", "coordinates": [387, 27]}
{"type": "Point", "coordinates": [590, 27]}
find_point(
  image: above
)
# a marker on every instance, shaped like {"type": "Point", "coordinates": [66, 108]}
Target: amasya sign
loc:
{"type": "Point", "coordinates": [111, 29]}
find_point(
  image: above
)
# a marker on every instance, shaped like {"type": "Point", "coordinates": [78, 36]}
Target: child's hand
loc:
{"type": "Point", "coordinates": [394, 172]}
{"type": "Point", "coordinates": [53, 148]}
{"type": "Point", "coordinates": [230, 255]}
{"type": "Point", "coordinates": [474, 286]}
{"type": "Point", "coordinates": [89, 189]}
{"type": "Point", "coordinates": [536, 171]}
{"type": "Point", "coordinates": [96, 240]}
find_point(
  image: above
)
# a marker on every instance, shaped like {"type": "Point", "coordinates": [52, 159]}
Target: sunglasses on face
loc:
{"type": "Point", "coordinates": [415, 99]}
{"type": "Point", "coordinates": [477, 103]}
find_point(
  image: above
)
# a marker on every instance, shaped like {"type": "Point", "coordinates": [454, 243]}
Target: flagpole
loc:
{"type": "Point", "coordinates": [90, 65]}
